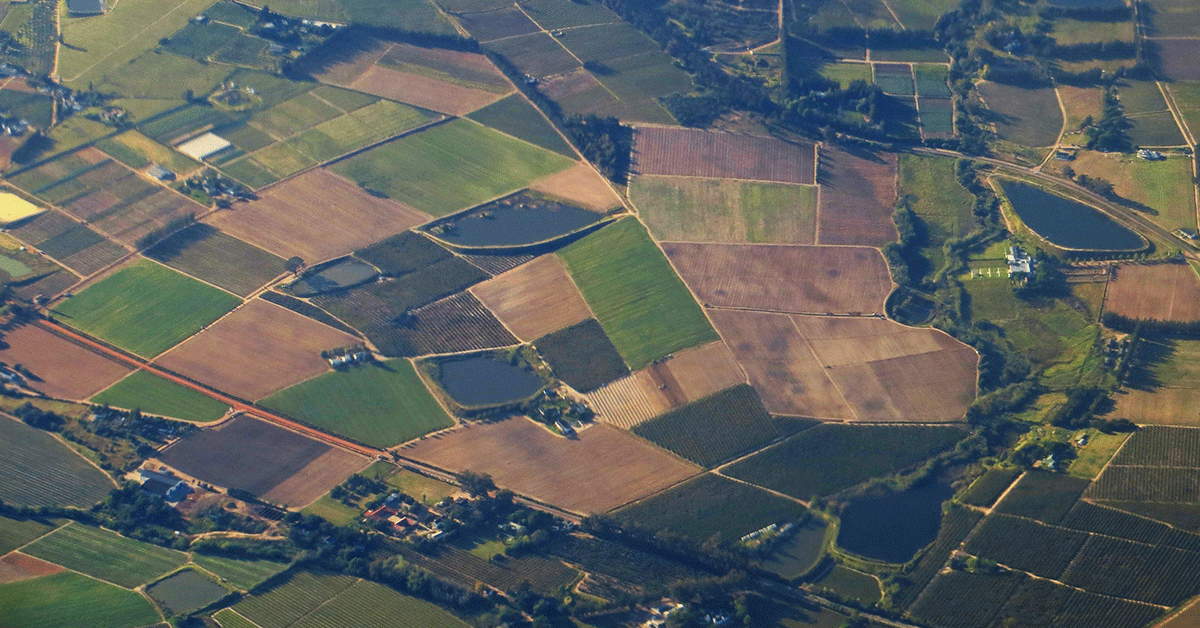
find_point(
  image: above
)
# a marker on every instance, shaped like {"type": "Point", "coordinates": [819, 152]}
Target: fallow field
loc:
{"type": "Point", "coordinates": [157, 395]}
{"type": "Point", "coordinates": [534, 299]}
{"type": "Point", "coordinates": [682, 152]}
{"type": "Point", "coordinates": [62, 368]}
{"type": "Point", "coordinates": [725, 210]}
{"type": "Point", "coordinates": [15, 567]}
{"type": "Point", "coordinates": [1168, 292]}
{"type": "Point", "coordinates": [858, 190]}
{"type": "Point", "coordinates": [580, 185]}
{"type": "Point", "coordinates": [41, 471]}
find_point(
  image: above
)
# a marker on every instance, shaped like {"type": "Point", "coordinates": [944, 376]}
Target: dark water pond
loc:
{"type": "Point", "coordinates": [485, 381]}
{"type": "Point", "coordinates": [1067, 223]}
{"type": "Point", "coordinates": [185, 591]}
{"type": "Point", "coordinates": [892, 526]}
{"type": "Point", "coordinates": [799, 552]}
{"type": "Point", "coordinates": [513, 221]}
{"type": "Point", "coordinates": [337, 277]}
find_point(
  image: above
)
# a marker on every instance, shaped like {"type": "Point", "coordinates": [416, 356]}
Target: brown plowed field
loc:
{"type": "Point", "coordinates": [314, 480]}
{"type": "Point", "coordinates": [703, 371]}
{"type": "Point", "coordinates": [534, 299]}
{"type": "Point", "coordinates": [857, 197]}
{"type": "Point", "coordinates": [1168, 292]}
{"type": "Point", "coordinates": [340, 65]}
{"type": "Point", "coordinates": [66, 369]}
{"type": "Point", "coordinates": [628, 401]}
{"type": "Point", "coordinates": [801, 279]}
{"type": "Point", "coordinates": [602, 469]}
{"type": "Point", "coordinates": [1177, 58]}
{"type": "Point", "coordinates": [464, 66]}
{"type": "Point", "coordinates": [258, 349]}
{"type": "Point", "coordinates": [17, 566]}
{"type": "Point", "coordinates": [1163, 406]}
{"type": "Point", "coordinates": [677, 151]}
{"type": "Point", "coordinates": [317, 216]}
{"type": "Point", "coordinates": [581, 185]}
{"type": "Point", "coordinates": [423, 91]}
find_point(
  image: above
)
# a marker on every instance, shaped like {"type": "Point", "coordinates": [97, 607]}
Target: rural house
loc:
{"type": "Point", "coordinates": [1019, 263]}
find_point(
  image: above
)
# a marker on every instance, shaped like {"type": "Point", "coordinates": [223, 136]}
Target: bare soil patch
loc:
{"type": "Point", "coordinates": [677, 151]}
{"type": "Point", "coordinates": [797, 279]}
{"type": "Point", "coordinates": [317, 216]}
{"type": "Point", "coordinates": [857, 195]}
{"type": "Point", "coordinates": [422, 91]}
{"type": "Point", "coordinates": [702, 371]}
{"type": "Point", "coordinates": [65, 369]}
{"type": "Point", "coordinates": [602, 469]}
{"type": "Point", "coordinates": [16, 566]}
{"type": "Point", "coordinates": [467, 66]}
{"type": "Point", "coordinates": [580, 185]}
{"type": "Point", "coordinates": [534, 299]}
{"type": "Point", "coordinates": [257, 350]}
{"type": "Point", "coordinates": [314, 480]}
{"type": "Point", "coordinates": [1167, 292]}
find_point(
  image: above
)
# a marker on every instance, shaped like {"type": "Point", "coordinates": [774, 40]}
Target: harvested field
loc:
{"type": "Point", "coordinates": [696, 373]}
{"type": "Point", "coordinates": [534, 299]}
{"type": "Point", "coordinates": [65, 369]}
{"type": "Point", "coordinates": [205, 253]}
{"type": "Point", "coordinates": [1169, 292]}
{"type": "Point", "coordinates": [726, 210]}
{"type": "Point", "coordinates": [683, 152]}
{"type": "Point", "coordinates": [629, 401]}
{"type": "Point", "coordinates": [602, 469]}
{"type": "Point", "coordinates": [39, 470]}
{"type": "Point", "coordinates": [422, 91]}
{"type": "Point", "coordinates": [1177, 58]}
{"type": "Point", "coordinates": [256, 350]}
{"type": "Point", "coordinates": [580, 185]}
{"type": "Point", "coordinates": [857, 193]}
{"type": "Point", "coordinates": [791, 279]}
{"type": "Point", "coordinates": [454, 324]}
{"type": "Point", "coordinates": [259, 457]}
{"type": "Point", "coordinates": [316, 216]}
{"type": "Point", "coordinates": [16, 567]}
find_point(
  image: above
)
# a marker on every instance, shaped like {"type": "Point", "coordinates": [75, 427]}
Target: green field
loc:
{"type": "Point", "coordinates": [1155, 129]}
{"type": "Point", "coordinates": [243, 574]}
{"type": "Point", "coordinates": [333, 511]}
{"type": "Point", "coordinates": [222, 260]}
{"type": "Point", "coordinates": [921, 14]}
{"type": "Point", "coordinates": [1186, 95]}
{"type": "Point", "coordinates": [380, 404]}
{"type": "Point", "coordinates": [713, 429]}
{"type": "Point", "coordinates": [725, 210]}
{"type": "Point", "coordinates": [16, 532]}
{"type": "Point", "coordinates": [931, 80]}
{"type": "Point", "coordinates": [552, 14]}
{"type": "Point", "coordinates": [145, 308]}
{"type": "Point", "coordinates": [1092, 457]}
{"type": "Point", "coordinates": [155, 395]}
{"type": "Point", "coordinates": [829, 458]}
{"type": "Point", "coordinates": [39, 470]}
{"type": "Point", "coordinates": [943, 204]}
{"type": "Point", "coordinates": [640, 302]}
{"type": "Point", "coordinates": [138, 151]}
{"type": "Point", "coordinates": [850, 584]}
{"type": "Point", "coordinates": [37, 109]}
{"type": "Point", "coordinates": [185, 591]}
{"type": "Point", "coordinates": [200, 40]}
{"type": "Point", "coordinates": [515, 116]}
{"type": "Point", "coordinates": [322, 601]}
{"type": "Point", "coordinates": [991, 299]}
{"type": "Point", "coordinates": [229, 618]}
{"type": "Point", "coordinates": [69, 600]}
{"type": "Point", "coordinates": [450, 167]}
{"type": "Point", "coordinates": [106, 555]}
{"type": "Point", "coordinates": [582, 356]}
{"type": "Point", "coordinates": [282, 605]}
{"type": "Point", "coordinates": [846, 73]}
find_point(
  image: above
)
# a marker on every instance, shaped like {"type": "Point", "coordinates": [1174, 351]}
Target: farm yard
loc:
{"type": "Point", "coordinates": [63, 369]}
{"type": "Point", "coordinates": [1167, 292]}
{"type": "Point", "coordinates": [725, 210]}
{"type": "Point", "coordinates": [534, 299]}
{"type": "Point", "coordinates": [41, 471]}
{"type": "Point", "coordinates": [156, 395]}
{"type": "Point", "coordinates": [684, 152]}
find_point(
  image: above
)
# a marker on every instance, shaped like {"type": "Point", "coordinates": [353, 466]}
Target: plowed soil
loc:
{"type": "Point", "coordinates": [683, 152]}
{"type": "Point", "coordinates": [534, 299]}
{"type": "Point", "coordinates": [1167, 292]}
{"type": "Point", "coordinates": [65, 369]}
{"type": "Point", "coordinates": [17, 566]}
{"type": "Point", "coordinates": [422, 91]}
{"type": "Point", "coordinates": [857, 195]}
{"type": "Point", "coordinates": [581, 185]}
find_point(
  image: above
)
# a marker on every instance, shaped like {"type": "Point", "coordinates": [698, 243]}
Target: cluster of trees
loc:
{"type": "Point", "coordinates": [41, 419]}
{"type": "Point", "coordinates": [1176, 329]}
{"type": "Point", "coordinates": [1108, 134]}
{"type": "Point", "coordinates": [904, 256]}
{"type": "Point", "coordinates": [603, 141]}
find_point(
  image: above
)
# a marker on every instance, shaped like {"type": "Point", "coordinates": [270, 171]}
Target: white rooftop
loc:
{"type": "Point", "coordinates": [200, 147]}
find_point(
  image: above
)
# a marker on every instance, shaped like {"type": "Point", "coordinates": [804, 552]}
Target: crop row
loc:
{"type": "Point", "coordinates": [989, 487]}
{"type": "Point", "coordinates": [956, 525]}
{"type": "Point", "coordinates": [943, 603]}
{"type": "Point", "coordinates": [544, 575]}
{"type": "Point", "coordinates": [105, 555]}
{"type": "Point", "coordinates": [1026, 545]}
{"type": "Point", "coordinates": [1047, 497]}
{"type": "Point", "coordinates": [1044, 604]}
{"type": "Point", "coordinates": [283, 605]}
{"type": "Point", "coordinates": [370, 604]}
{"type": "Point", "coordinates": [1161, 447]}
{"type": "Point", "coordinates": [1158, 575]}
{"type": "Point", "coordinates": [713, 429]}
{"type": "Point", "coordinates": [620, 562]}
{"type": "Point", "coordinates": [1148, 484]}
{"type": "Point", "coordinates": [1089, 517]}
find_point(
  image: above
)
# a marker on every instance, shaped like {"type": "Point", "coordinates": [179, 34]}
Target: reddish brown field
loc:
{"type": "Point", "coordinates": [258, 349]}
{"type": "Point", "coordinates": [317, 216]}
{"type": "Point", "coordinates": [1177, 58]}
{"type": "Point", "coordinates": [339, 66]}
{"type": "Point", "coordinates": [1162, 406]}
{"type": "Point", "coordinates": [17, 566]}
{"type": "Point", "coordinates": [1167, 292]}
{"type": "Point", "coordinates": [312, 481]}
{"type": "Point", "coordinates": [857, 197]}
{"type": "Point", "coordinates": [66, 370]}
{"type": "Point", "coordinates": [600, 470]}
{"type": "Point", "coordinates": [581, 185]}
{"type": "Point", "coordinates": [780, 278]}
{"type": "Point", "coordinates": [677, 151]}
{"type": "Point", "coordinates": [464, 66]}
{"type": "Point", "coordinates": [423, 91]}
{"type": "Point", "coordinates": [534, 299]}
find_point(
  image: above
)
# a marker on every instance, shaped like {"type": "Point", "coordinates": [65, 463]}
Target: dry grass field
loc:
{"type": "Point", "coordinates": [857, 194]}
{"type": "Point", "coordinates": [1169, 292]}
{"type": "Point", "coordinates": [1163, 387]}
{"type": "Point", "coordinates": [317, 216]}
{"type": "Point", "coordinates": [602, 469]}
{"type": "Point", "coordinates": [1160, 186]}
{"type": "Point", "coordinates": [682, 152]}
{"type": "Point", "coordinates": [534, 299]}
{"type": "Point", "coordinates": [581, 185]}
{"type": "Point", "coordinates": [793, 279]}
{"type": "Point", "coordinates": [66, 370]}
{"type": "Point", "coordinates": [1162, 406]}
{"type": "Point", "coordinates": [257, 350]}
{"type": "Point", "coordinates": [16, 567]}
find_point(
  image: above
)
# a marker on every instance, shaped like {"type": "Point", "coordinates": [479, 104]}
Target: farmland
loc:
{"type": "Point", "coordinates": [258, 349]}
{"type": "Point", "coordinates": [145, 308]}
{"type": "Point", "coordinates": [105, 555]}
{"type": "Point", "coordinates": [37, 467]}
{"type": "Point", "coordinates": [582, 356]}
{"type": "Point", "coordinates": [69, 600]}
{"type": "Point", "coordinates": [72, 244]}
{"type": "Point", "coordinates": [603, 469]}
{"type": "Point", "coordinates": [1026, 545]}
{"type": "Point", "coordinates": [1043, 604]}
{"type": "Point", "coordinates": [1029, 117]}
{"type": "Point", "coordinates": [938, 199]}
{"type": "Point", "coordinates": [1089, 517]}
{"type": "Point", "coordinates": [985, 490]}
{"type": "Point", "coordinates": [580, 185]}
{"type": "Point", "coordinates": [515, 116]}
{"type": "Point", "coordinates": [63, 368]}
{"type": "Point", "coordinates": [829, 458]}
{"type": "Point", "coordinates": [694, 153]}
{"type": "Point", "coordinates": [713, 429]}
{"type": "Point", "coordinates": [1161, 446]}
{"type": "Point", "coordinates": [545, 575]}
{"type": "Point", "coordinates": [617, 561]}
{"type": "Point", "coordinates": [1157, 575]}
{"type": "Point", "coordinates": [895, 78]}
{"type": "Point", "coordinates": [534, 299]}
{"type": "Point", "coordinates": [138, 151]}
{"type": "Point", "coordinates": [957, 523]}
{"type": "Point", "coordinates": [792, 279]}
{"type": "Point", "coordinates": [156, 395]}
{"type": "Point", "coordinates": [17, 532]}
{"type": "Point", "coordinates": [1046, 497]}
{"type": "Point", "coordinates": [641, 304]}
{"type": "Point", "coordinates": [379, 403]}
{"type": "Point", "coordinates": [1157, 464]}
{"type": "Point", "coordinates": [1154, 185]}
{"type": "Point", "coordinates": [725, 210]}
{"type": "Point", "coordinates": [15, 567]}
{"type": "Point", "coordinates": [300, 594]}
{"type": "Point", "coordinates": [988, 592]}
{"type": "Point", "coordinates": [1169, 292]}
{"type": "Point", "coordinates": [243, 574]}
{"type": "Point", "coordinates": [857, 192]}
{"type": "Point", "coordinates": [456, 323]}
{"type": "Point", "coordinates": [227, 262]}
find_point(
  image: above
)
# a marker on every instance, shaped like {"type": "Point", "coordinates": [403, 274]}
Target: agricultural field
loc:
{"type": "Point", "coordinates": [1044, 604]}
{"type": "Point", "coordinates": [544, 575]}
{"type": "Point", "coordinates": [846, 73]}
{"type": "Point", "coordinates": [937, 117]}
{"type": "Point", "coordinates": [534, 299]}
{"type": "Point", "coordinates": [582, 356]}
{"type": "Point", "coordinates": [72, 244]}
{"type": "Point", "coordinates": [617, 561]}
{"type": "Point", "coordinates": [41, 471]}
{"type": "Point", "coordinates": [222, 260]}
{"type": "Point", "coordinates": [185, 591]}
{"type": "Point", "coordinates": [1168, 292]}
{"type": "Point", "coordinates": [62, 368]}
{"type": "Point", "coordinates": [789, 279]}
{"type": "Point", "coordinates": [70, 600]}
{"type": "Point", "coordinates": [601, 470]}
{"type": "Point", "coordinates": [37, 109]}
{"type": "Point", "coordinates": [830, 458]}
{"type": "Point", "coordinates": [713, 429]}
{"type": "Point", "coordinates": [725, 210]}
{"type": "Point", "coordinates": [1025, 545]}
{"type": "Point", "coordinates": [580, 185]}
{"type": "Point", "coordinates": [858, 190]}
{"type": "Point", "coordinates": [1029, 117]}
{"type": "Point", "coordinates": [156, 395]}
{"type": "Point", "coordinates": [986, 489]}
{"type": "Point", "coordinates": [379, 403]}
{"type": "Point", "coordinates": [1164, 385]}
{"type": "Point", "coordinates": [1154, 186]}
{"type": "Point", "coordinates": [291, 600]}
{"type": "Point", "coordinates": [641, 304]}
{"type": "Point", "coordinates": [153, 82]}
{"type": "Point", "coordinates": [257, 350]}
{"type": "Point", "coordinates": [457, 323]}
{"type": "Point", "coordinates": [1173, 55]}
{"type": "Point", "coordinates": [243, 574]}
{"type": "Point", "coordinates": [944, 205]}
{"type": "Point", "coordinates": [105, 555]}
{"type": "Point", "coordinates": [450, 167]}
{"type": "Point", "coordinates": [1046, 497]}
{"type": "Point", "coordinates": [138, 151]}
{"type": "Point", "coordinates": [408, 15]}
{"type": "Point", "coordinates": [851, 584]}
{"type": "Point", "coordinates": [517, 117]}
{"type": "Point", "coordinates": [15, 567]}
{"type": "Point", "coordinates": [682, 152]}
{"type": "Point", "coordinates": [957, 523]}
{"type": "Point", "coordinates": [1098, 519]}
{"type": "Point", "coordinates": [145, 308]}
{"type": "Point", "coordinates": [710, 505]}
{"type": "Point", "coordinates": [17, 532]}
{"type": "Point", "coordinates": [987, 593]}
{"type": "Point", "coordinates": [1158, 575]}
{"type": "Point", "coordinates": [628, 401]}
{"type": "Point", "coordinates": [895, 78]}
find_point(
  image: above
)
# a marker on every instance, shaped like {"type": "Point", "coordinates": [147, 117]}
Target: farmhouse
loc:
{"type": "Point", "coordinates": [168, 487]}
{"type": "Point", "coordinates": [1019, 262]}
{"type": "Point", "coordinates": [1150, 155]}
{"type": "Point", "coordinates": [203, 146]}
{"type": "Point", "coordinates": [160, 173]}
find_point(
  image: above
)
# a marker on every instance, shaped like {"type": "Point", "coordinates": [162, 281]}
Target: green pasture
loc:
{"type": "Point", "coordinates": [939, 200]}
{"type": "Point", "coordinates": [846, 73]}
{"type": "Point", "coordinates": [294, 116]}
{"type": "Point", "coordinates": [145, 308]}
{"type": "Point", "coordinates": [1070, 32]}
{"type": "Point", "coordinates": [344, 99]}
{"type": "Point", "coordinates": [405, 15]}
{"type": "Point", "coordinates": [106, 555]}
{"type": "Point", "coordinates": [725, 210]}
{"type": "Point", "coordinates": [640, 302]}
{"type": "Point", "coordinates": [16, 532]}
{"type": "Point", "coordinates": [1187, 99]}
{"type": "Point", "coordinates": [450, 167]}
{"type": "Point", "coordinates": [1159, 186]}
{"type": "Point", "coordinates": [333, 511]}
{"type": "Point", "coordinates": [69, 600]}
{"type": "Point", "coordinates": [155, 395]}
{"type": "Point", "coordinates": [1091, 458]}
{"type": "Point", "coordinates": [243, 574]}
{"type": "Point", "coordinates": [380, 404]}
{"type": "Point", "coordinates": [1155, 129]}
{"type": "Point", "coordinates": [39, 470]}
{"type": "Point", "coordinates": [517, 117]}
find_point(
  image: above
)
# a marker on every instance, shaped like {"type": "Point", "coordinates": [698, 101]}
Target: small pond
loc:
{"type": "Point", "coordinates": [1067, 223]}
{"type": "Point", "coordinates": [892, 526]}
{"type": "Point", "coordinates": [15, 268]}
{"type": "Point", "coordinates": [513, 221]}
{"type": "Point", "coordinates": [340, 276]}
{"type": "Point", "coordinates": [185, 591]}
{"type": "Point", "coordinates": [799, 552]}
{"type": "Point", "coordinates": [487, 381]}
